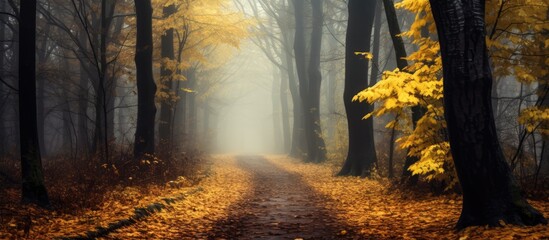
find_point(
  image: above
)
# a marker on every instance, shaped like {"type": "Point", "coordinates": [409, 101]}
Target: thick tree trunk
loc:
{"type": "Point", "coordinates": [490, 193]}
{"type": "Point", "coordinates": [300, 62]}
{"type": "Point", "coordinates": [310, 96]}
{"type": "Point", "coordinates": [83, 134]}
{"type": "Point", "coordinates": [361, 154]}
{"type": "Point", "coordinates": [33, 188]}
{"type": "Point", "coordinates": [315, 80]}
{"type": "Point", "coordinates": [146, 88]}
{"type": "Point", "coordinates": [165, 125]}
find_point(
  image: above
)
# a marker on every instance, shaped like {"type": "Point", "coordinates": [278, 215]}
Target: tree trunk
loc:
{"type": "Point", "coordinates": [285, 112]}
{"type": "Point", "coordinates": [33, 188]}
{"type": "Point", "coordinates": [3, 99]}
{"type": "Point", "coordinates": [180, 114]}
{"type": "Point", "coordinates": [307, 88]}
{"type": "Point", "coordinates": [191, 107]}
{"type": "Point", "coordinates": [165, 124]}
{"type": "Point", "coordinates": [543, 95]}
{"type": "Point", "coordinates": [146, 88]}
{"type": "Point", "coordinates": [361, 154]}
{"type": "Point", "coordinates": [300, 61]}
{"type": "Point", "coordinates": [374, 74]}
{"type": "Point", "coordinates": [298, 138]}
{"type": "Point", "coordinates": [490, 193]}
{"type": "Point", "coordinates": [41, 90]}
{"type": "Point", "coordinates": [400, 52]}
{"type": "Point", "coordinates": [315, 80]}
{"type": "Point", "coordinates": [83, 137]}
{"type": "Point", "coordinates": [277, 119]}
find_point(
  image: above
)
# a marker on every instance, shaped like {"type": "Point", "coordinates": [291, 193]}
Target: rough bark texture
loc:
{"type": "Point", "coordinates": [490, 193]}
{"type": "Point", "coordinates": [146, 88]}
{"type": "Point", "coordinates": [165, 125]}
{"type": "Point", "coordinates": [33, 188]}
{"type": "Point", "coordinates": [361, 154]}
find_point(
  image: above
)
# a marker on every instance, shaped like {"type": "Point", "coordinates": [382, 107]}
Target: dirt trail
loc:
{"type": "Point", "coordinates": [281, 206]}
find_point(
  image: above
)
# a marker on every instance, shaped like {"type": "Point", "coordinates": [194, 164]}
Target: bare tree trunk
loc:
{"type": "Point", "coordinates": [33, 188]}
{"type": "Point", "coordinates": [490, 192]}
{"type": "Point", "coordinates": [315, 80]}
{"type": "Point", "coordinates": [3, 90]}
{"type": "Point", "coordinates": [277, 119]}
{"type": "Point", "coordinates": [285, 112]}
{"type": "Point", "coordinates": [309, 81]}
{"type": "Point", "coordinates": [361, 154]}
{"type": "Point", "coordinates": [191, 107]}
{"type": "Point", "coordinates": [83, 134]}
{"type": "Point", "coordinates": [146, 88]}
{"type": "Point", "coordinates": [41, 90]}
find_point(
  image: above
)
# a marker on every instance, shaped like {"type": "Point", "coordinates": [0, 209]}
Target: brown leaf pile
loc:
{"type": "Point", "coordinates": [377, 212]}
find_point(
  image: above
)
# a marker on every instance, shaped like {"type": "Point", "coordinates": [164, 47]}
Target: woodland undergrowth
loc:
{"type": "Point", "coordinates": [87, 192]}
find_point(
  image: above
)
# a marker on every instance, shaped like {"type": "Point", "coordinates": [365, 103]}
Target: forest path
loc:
{"type": "Point", "coordinates": [280, 206]}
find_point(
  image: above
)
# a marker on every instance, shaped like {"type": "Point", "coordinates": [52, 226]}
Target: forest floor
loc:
{"type": "Point", "coordinates": [271, 197]}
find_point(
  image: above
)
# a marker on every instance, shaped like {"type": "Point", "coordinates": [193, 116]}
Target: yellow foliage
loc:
{"type": "Point", "coordinates": [518, 48]}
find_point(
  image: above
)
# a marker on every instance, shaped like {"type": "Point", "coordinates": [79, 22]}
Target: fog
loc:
{"type": "Point", "coordinates": [245, 125]}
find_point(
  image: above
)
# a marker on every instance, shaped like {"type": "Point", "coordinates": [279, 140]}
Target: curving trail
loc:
{"type": "Point", "coordinates": [281, 206]}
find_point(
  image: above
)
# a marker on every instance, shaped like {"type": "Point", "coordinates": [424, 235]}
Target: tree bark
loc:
{"type": "Point", "coordinates": [146, 88]}
{"type": "Point", "coordinates": [42, 74]}
{"type": "Point", "coordinates": [3, 99]}
{"type": "Point", "coordinates": [543, 95]}
{"type": "Point", "coordinates": [315, 80]}
{"type": "Point", "coordinates": [490, 192]}
{"type": "Point", "coordinates": [277, 116]}
{"type": "Point", "coordinates": [33, 188]}
{"type": "Point", "coordinates": [307, 87]}
{"type": "Point", "coordinates": [83, 134]}
{"type": "Point", "coordinates": [285, 112]}
{"type": "Point", "coordinates": [165, 125]}
{"type": "Point", "coordinates": [300, 61]}
{"type": "Point", "coordinates": [361, 154]}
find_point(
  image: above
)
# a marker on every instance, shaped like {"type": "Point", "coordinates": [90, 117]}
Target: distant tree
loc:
{"type": "Point", "coordinates": [165, 125]}
{"type": "Point", "coordinates": [318, 148]}
{"type": "Point", "coordinates": [146, 87]}
{"type": "Point", "coordinates": [309, 78]}
{"type": "Point", "coordinates": [361, 154]}
{"type": "Point", "coordinates": [402, 64]}
{"type": "Point", "coordinates": [490, 192]}
{"type": "Point", "coordinates": [34, 190]}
